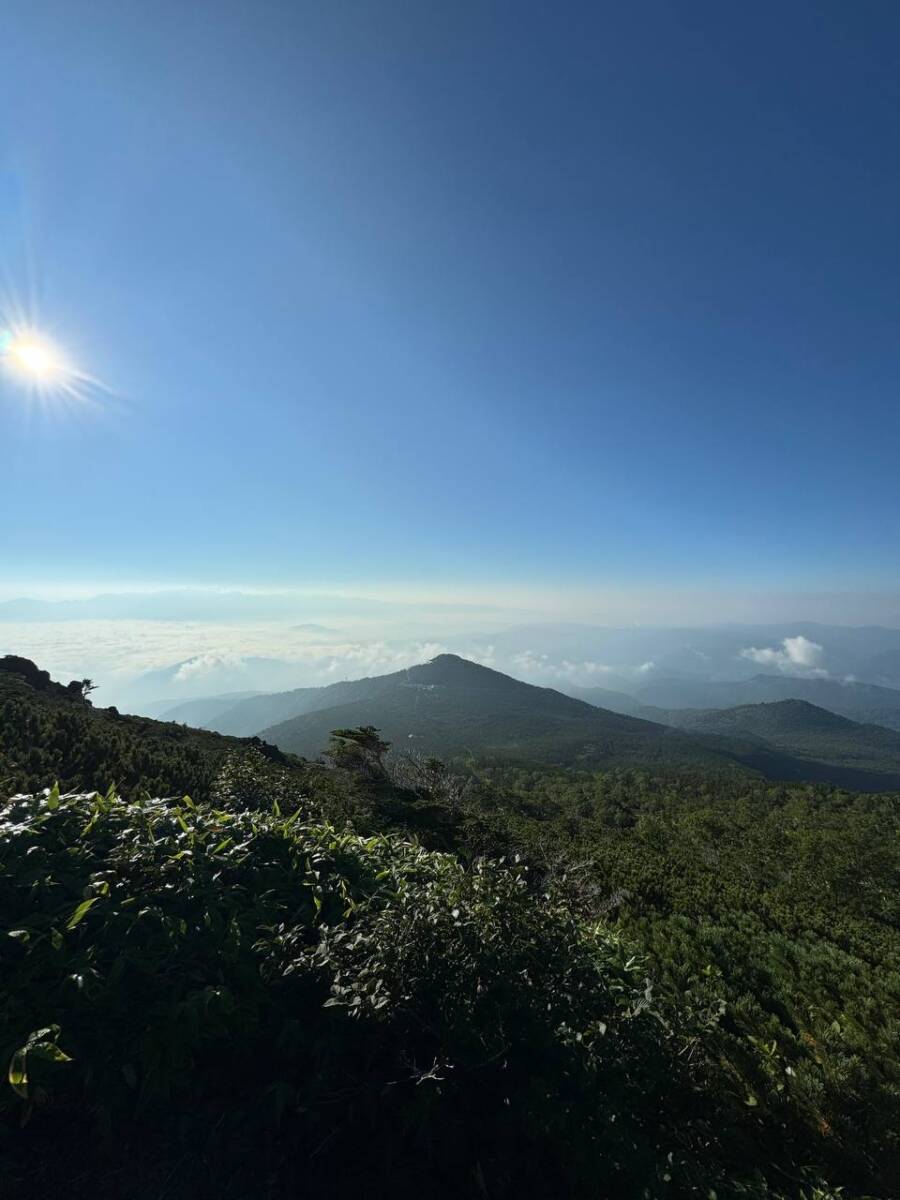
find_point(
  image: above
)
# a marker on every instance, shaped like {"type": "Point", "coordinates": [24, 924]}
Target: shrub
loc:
{"type": "Point", "coordinates": [243, 986]}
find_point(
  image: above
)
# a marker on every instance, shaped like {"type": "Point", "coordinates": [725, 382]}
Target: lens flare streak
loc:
{"type": "Point", "coordinates": [34, 363]}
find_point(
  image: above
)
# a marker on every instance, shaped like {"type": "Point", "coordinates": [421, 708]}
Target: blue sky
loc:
{"type": "Point", "coordinates": [473, 294]}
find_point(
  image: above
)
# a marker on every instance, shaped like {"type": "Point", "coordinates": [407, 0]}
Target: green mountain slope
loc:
{"type": "Point", "coordinates": [249, 716]}
{"type": "Point", "coordinates": [864, 702]}
{"type": "Point", "coordinates": [202, 713]}
{"type": "Point", "coordinates": [797, 740]}
{"type": "Point", "coordinates": [619, 702]}
{"type": "Point", "coordinates": [453, 707]}
{"type": "Point", "coordinates": [50, 733]}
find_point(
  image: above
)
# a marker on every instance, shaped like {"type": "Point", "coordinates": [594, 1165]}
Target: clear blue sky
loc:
{"type": "Point", "coordinates": [469, 291]}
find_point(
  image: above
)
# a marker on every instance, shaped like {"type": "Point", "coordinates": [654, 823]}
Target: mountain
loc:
{"type": "Point", "coordinates": [793, 739]}
{"type": "Point", "coordinates": [619, 702]}
{"type": "Point", "coordinates": [265, 711]}
{"type": "Point", "coordinates": [864, 702]}
{"type": "Point", "coordinates": [453, 707]}
{"type": "Point", "coordinates": [882, 668]}
{"type": "Point", "coordinates": [201, 677]}
{"type": "Point", "coordinates": [773, 720]}
{"type": "Point", "coordinates": [201, 713]}
{"type": "Point", "coordinates": [251, 715]}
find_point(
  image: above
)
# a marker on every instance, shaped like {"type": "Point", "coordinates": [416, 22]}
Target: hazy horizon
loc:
{"type": "Point", "coordinates": [149, 645]}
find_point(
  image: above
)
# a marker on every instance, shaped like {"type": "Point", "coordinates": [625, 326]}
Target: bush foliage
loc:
{"type": "Point", "coordinates": [234, 979]}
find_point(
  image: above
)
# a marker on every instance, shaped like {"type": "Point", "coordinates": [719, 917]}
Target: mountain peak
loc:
{"type": "Point", "coordinates": [452, 668]}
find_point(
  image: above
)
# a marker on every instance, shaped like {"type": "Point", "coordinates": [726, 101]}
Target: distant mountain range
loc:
{"type": "Point", "coordinates": [202, 713]}
{"type": "Point", "coordinates": [866, 702]}
{"type": "Point", "coordinates": [455, 708]}
{"type": "Point", "coordinates": [796, 740]}
{"type": "Point", "coordinates": [459, 710]}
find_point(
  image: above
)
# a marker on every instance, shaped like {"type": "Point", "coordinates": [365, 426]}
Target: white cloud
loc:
{"type": "Point", "coordinates": [207, 664]}
{"type": "Point", "coordinates": [584, 671]}
{"type": "Point", "coordinates": [485, 655]}
{"type": "Point", "coordinates": [796, 656]}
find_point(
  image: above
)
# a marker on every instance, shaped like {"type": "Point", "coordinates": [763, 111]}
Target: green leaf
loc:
{"type": "Point", "coordinates": [18, 1073]}
{"type": "Point", "coordinates": [53, 797]}
{"type": "Point", "coordinates": [48, 1052]}
{"type": "Point", "coordinates": [34, 1048]}
{"type": "Point", "coordinates": [80, 911]}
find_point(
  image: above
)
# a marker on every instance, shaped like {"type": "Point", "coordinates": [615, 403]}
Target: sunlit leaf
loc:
{"type": "Point", "coordinates": [84, 907]}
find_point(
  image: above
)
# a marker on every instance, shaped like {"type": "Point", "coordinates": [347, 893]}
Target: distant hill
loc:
{"type": "Point", "coordinates": [202, 712]}
{"type": "Point", "coordinates": [202, 677]}
{"type": "Point", "coordinates": [773, 720]}
{"type": "Point", "coordinates": [50, 733]}
{"type": "Point", "coordinates": [453, 707]}
{"type": "Point", "coordinates": [882, 668]}
{"type": "Point", "coordinates": [865, 702]}
{"type": "Point", "coordinates": [251, 715]}
{"type": "Point", "coordinates": [793, 739]}
{"type": "Point", "coordinates": [619, 702]}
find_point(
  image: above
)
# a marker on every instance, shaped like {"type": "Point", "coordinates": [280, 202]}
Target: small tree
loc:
{"type": "Point", "coordinates": [360, 750]}
{"type": "Point", "coordinates": [81, 688]}
{"type": "Point", "coordinates": [428, 775]}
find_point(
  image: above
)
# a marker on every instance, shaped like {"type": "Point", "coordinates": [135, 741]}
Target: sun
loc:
{"type": "Point", "coordinates": [35, 359]}
{"type": "Point", "coordinates": [35, 364]}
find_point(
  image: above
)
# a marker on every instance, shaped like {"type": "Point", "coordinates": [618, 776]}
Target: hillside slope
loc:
{"type": "Point", "coordinates": [249, 716]}
{"type": "Point", "coordinates": [865, 702]}
{"type": "Point", "coordinates": [51, 733]}
{"type": "Point", "coordinates": [454, 707]}
{"type": "Point", "coordinates": [793, 739]}
{"type": "Point", "coordinates": [202, 713]}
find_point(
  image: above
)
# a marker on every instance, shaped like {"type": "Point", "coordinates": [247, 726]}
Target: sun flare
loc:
{"type": "Point", "coordinates": [30, 360]}
{"type": "Point", "coordinates": [34, 358]}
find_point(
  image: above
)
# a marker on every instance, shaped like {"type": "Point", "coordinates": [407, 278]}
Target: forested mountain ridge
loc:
{"type": "Point", "coordinates": [456, 708]}
{"type": "Point", "coordinates": [866, 702]}
{"type": "Point", "coordinates": [256, 713]}
{"type": "Point", "coordinates": [795, 740]}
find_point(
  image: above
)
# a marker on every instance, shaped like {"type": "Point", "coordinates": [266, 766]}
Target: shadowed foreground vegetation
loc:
{"type": "Point", "coordinates": [382, 977]}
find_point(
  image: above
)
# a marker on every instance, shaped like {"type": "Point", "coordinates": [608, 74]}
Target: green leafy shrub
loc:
{"type": "Point", "coordinates": [249, 986]}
